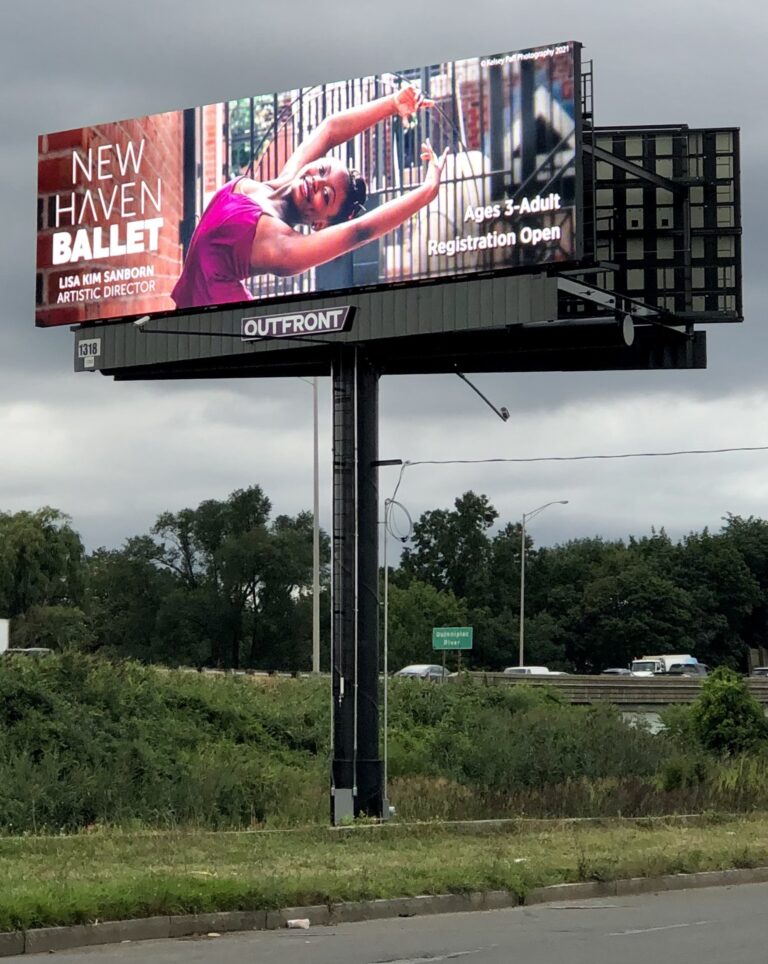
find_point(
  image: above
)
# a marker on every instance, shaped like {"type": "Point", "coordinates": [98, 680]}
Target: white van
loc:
{"type": "Point", "coordinates": [653, 665]}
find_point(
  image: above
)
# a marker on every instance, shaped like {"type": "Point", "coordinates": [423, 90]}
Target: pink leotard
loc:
{"type": "Point", "coordinates": [219, 255]}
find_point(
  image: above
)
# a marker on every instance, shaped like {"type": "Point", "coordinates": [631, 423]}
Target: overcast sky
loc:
{"type": "Point", "coordinates": [114, 455]}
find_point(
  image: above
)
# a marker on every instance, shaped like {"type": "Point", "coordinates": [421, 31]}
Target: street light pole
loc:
{"type": "Point", "coordinates": [521, 651]}
{"type": "Point", "coordinates": [315, 533]}
{"type": "Point", "coordinates": [528, 515]}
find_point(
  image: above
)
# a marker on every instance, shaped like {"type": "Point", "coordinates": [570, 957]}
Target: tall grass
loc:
{"type": "Point", "coordinates": [86, 743]}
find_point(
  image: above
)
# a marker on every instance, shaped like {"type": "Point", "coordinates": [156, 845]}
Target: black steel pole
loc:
{"type": "Point", "coordinates": [357, 769]}
{"type": "Point", "coordinates": [369, 766]}
{"type": "Point", "coordinates": [344, 594]}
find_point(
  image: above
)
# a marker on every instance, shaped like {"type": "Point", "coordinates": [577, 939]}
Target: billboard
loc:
{"type": "Point", "coordinates": [435, 173]}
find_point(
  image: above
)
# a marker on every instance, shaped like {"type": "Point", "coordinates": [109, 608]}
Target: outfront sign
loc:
{"type": "Point", "coordinates": [296, 324]}
{"type": "Point", "coordinates": [452, 637]}
{"type": "Point", "coordinates": [440, 172]}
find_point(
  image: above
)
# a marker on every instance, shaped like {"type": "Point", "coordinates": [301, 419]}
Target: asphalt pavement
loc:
{"type": "Point", "coordinates": [718, 925]}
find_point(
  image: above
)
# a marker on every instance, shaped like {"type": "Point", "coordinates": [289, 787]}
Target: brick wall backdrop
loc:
{"type": "Point", "coordinates": [162, 157]}
{"type": "Point", "coordinates": [214, 150]}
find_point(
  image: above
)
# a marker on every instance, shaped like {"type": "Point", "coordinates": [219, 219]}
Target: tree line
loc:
{"type": "Point", "coordinates": [228, 584]}
{"type": "Point", "coordinates": [223, 584]}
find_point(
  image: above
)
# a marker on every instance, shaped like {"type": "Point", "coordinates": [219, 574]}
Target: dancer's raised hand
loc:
{"type": "Point", "coordinates": [409, 100]}
{"type": "Point", "coordinates": [435, 166]}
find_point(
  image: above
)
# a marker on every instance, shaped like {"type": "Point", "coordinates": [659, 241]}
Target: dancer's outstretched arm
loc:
{"type": "Point", "coordinates": [280, 250]}
{"type": "Point", "coordinates": [341, 127]}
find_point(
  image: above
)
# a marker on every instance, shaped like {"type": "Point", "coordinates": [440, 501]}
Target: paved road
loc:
{"type": "Point", "coordinates": [724, 925]}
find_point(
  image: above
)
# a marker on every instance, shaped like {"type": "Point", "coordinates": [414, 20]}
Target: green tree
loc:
{"type": "Point", "coordinates": [504, 569]}
{"type": "Point", "coordinates": [726, 718]}
{"type": "Point", "coordinates": [53, 627]}
{"type": "Point", "coordinates": [657, 549]}
{"type": "Point", "coordinates": [41, 561]}
{"type": "Point", "coordinates": [280, 611]}
{"type": "Point", "coordinates": [724, 594]}
{"type": "Point", "coordinates": [628, 608]}
{"type": "Point", "coordinates": [413, 613]}
{"type": "Point", "coordinates": [556, 577]}
{"type": "Point", "coordinates": [451, 549]}
{"type": "Point", "coordinates": [127, 589]}
{"type": "Point", "coordinates": [242, 578]}
{"type": "Point", "coordinates": [216, 550]}
{"type": "Point", "coordinates": [750, 539]}
{"type": "Point", "coordinates": [544, 641]}
{"type": "Point", "coordinates": [185, 628]}
{"type": "Point", "coordinates": [495, 641]}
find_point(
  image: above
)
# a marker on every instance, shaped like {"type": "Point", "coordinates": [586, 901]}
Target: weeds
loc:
{"type": "Point", "coordinates": [85, 743]}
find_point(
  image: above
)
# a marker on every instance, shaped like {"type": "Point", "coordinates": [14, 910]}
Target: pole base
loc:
{"type": "Point", "coordinates": [342, 806]}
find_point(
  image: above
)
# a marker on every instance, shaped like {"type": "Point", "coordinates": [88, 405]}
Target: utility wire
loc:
{"type": "Point", "coordinates": [585, 458]}
{"type": "Point", "coordinates": [552, 458]}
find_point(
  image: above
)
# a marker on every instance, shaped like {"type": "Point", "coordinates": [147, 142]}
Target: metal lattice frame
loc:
{"type": "Point", "coordinates": [665, 203]}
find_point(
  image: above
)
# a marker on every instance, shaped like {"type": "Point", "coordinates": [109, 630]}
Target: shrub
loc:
{"type": "Point", "coordinates": [503, 738]}
{"type": "Point", "coordinates": [682, 772]}
{"type": "Point", "coordinates": [84, 741]}
{"type": "Point", "coordinates": [87, 741]}
{"type": "Point", "coordinates": [678, 727]}
{"type": "Point", "coordinates": [727, 718]}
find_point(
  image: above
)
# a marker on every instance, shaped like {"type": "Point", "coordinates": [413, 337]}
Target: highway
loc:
{"type": "Point", "coordinates": [624, 691]}
{"type": "Point", "coordinates": [711, 926]}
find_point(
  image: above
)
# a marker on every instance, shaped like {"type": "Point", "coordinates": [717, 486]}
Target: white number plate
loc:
{"type": "Point", "coordinates": [89, 350]}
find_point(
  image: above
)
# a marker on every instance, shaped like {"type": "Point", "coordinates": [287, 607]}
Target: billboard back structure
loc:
{"type": "Point", "coordinates": [662, 209]}
{"type": "Point", "coordinates": [454, 170]}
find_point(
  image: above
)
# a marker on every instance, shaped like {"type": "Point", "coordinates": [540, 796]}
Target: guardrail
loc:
{"type": "Point", "coordinates": [621, 690]}
{"type": "Point", "coordinates": [632, 691]}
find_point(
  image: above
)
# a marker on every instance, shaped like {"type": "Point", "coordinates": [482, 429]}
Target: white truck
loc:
{"type": "Point", "coordinates": [651, 665]}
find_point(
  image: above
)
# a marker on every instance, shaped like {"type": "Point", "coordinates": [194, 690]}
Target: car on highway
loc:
{"type": "Point", "coordinates": [687, 669]}
{"type": "Point", "coordinates": [428, 671]}
{"type": "Point", "coordinates": [532, 671]}
{"type": "Point", "coordinates": [616, 671]}
{"type": "Point", "coordinates": [26, 652]}
{"type": "Point", "coordinates": [760, 672]}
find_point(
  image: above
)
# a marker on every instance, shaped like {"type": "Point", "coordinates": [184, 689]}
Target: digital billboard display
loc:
{"type": "Point", "coordinates": [433, 173]}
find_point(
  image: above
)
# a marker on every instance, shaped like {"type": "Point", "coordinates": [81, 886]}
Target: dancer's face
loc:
{"type": "Point", "coordinates": [319, 191]}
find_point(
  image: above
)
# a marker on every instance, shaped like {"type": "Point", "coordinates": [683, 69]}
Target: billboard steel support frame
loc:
{"type": "Point", "coordinates": [676, 185]}
{"type": "Point", "coordinates": [356, 774]}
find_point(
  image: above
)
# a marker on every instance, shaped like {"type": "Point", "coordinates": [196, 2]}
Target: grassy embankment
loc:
{"type": "Point", "coordinates": [143, 766]}
{"type": "Point", "coordinates": [85, 743]}
{"type": "Point", "coordinates": [116, 875]}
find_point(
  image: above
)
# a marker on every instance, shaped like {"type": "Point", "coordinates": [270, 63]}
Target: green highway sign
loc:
{"type": "Point", "coordinates": [452, 637]}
